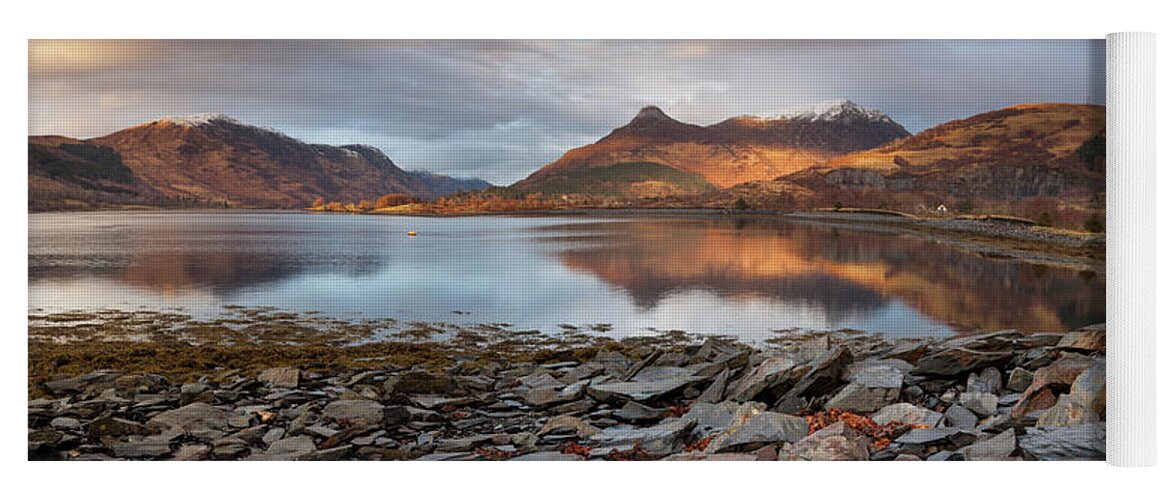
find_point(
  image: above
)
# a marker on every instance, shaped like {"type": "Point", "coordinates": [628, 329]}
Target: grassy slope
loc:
{"type": "Point", "coordinates": [623, 180]}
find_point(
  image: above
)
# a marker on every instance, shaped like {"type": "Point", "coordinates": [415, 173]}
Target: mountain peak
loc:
{"type": "Point", "coordinates": [842, 110]}
{"type": "Point", "coordinates": [652, 123]}
{"type": "Point", "coordinates": [652, 113]}
{"type": "Point", "coordinates": [197, 120]}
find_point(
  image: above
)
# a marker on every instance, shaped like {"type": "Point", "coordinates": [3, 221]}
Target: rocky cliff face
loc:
{"type": "Point", "coordinates": [213, 159]}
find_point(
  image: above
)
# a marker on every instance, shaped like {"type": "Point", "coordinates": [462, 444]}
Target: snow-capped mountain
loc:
{"type": "Point", "coordinates": [838, 110]}
{"type": "Point", "coordinates": [731, 152]}
{"type": "Point", "coordinates": [196, 120]}
{"type": "Point", "coordinates": [836, 126]}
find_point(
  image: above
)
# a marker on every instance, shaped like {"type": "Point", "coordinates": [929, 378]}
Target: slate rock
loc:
{"type": "Point", "coordinates": [541, 379]}
{"type": "Point", "coordinates": [191, 393]}
{"type": "Point", "coordinates": [287, 449]}
{"type": "Point", "coordinates": [329, 454]}
{"type": "Point", "coordinates": [825, 375]}
{"type": "Point", "coordinates": [547, 396]}
{"type": "Point", "coordinates": [994, 341]}
{"type": "Point", "coordinates": [987, 380]}
{"type": "Point", "coordinates": [998, 447]}
{"type": "Point", "coordinates": [562, 424]}
{"type": "Point", "coordinates": [907, 413]}
{"type": "Point", "coordinates": [1082, 442]}
{"type": "Point", "coordinates": [1050, 381]}
{"type": "Point", "coordinates": [65, 424]}
{"type": "Point", "coordinates": [711, 418]}
{"type": "Point", "coordinates": [228, 447]}
{"type": "Point", "coordinates": [81, 382]}
{"type": "Point", "coordinates": [938, 435]}
{"type": "Point", "coordinates": [959, 360]}
{"type": "Point", "coordinates": [192, 452]}
{"type": "Point", "coordinates": [619, 392]}
{"type": "Point", "coordinates": [464, 444]}
{"type": "Point", "coordinates": [871, 389]}
{"type": "Point", "coordinates": [659, 440]}
{"type": "Point", "coordinates": [1087, 341]}
{"type": "Point", "coordinates": [273, 435]}
{"type": "Point", "coordinates": [195, 416]}
{"type": "Point", "coordinates": [982, 404]}
{"type": "Point", "coordinates": [1067, 412]}
{"type": "Point", "coordinates": [395, 415]}
{"type": "Point", "coordinates": [547, 456]}
{"type": "Point", "coordinates": [116, 427]}
{"type": "Point", "coordinates": [762, 377]}
{"type": "Point", "coordinates": [760, 429]}
{"type": "Point", "coordinates": [714, 392]}
{"type": "Point", "coordinates": [141, 447]}
{"type": "Point", "coordinates": [636, 412]}
{"type": "Point", "coordinates": [1089, 389]}
{"type": "Point", "coordinates": [354, 410]}
{"type": "Point", "coordinates": [838, 442]}
{"type": "Point", "coordinates": [1019, 380]}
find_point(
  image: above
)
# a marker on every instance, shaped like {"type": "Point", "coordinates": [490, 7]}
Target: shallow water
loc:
{"type": "Point", "coordinates": [739, 277]}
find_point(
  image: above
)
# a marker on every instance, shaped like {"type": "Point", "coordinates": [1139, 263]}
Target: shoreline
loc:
{"type": "Point", "coordinates": [274, 386]}
{"type": "Point", "coordinates": [989, 237]}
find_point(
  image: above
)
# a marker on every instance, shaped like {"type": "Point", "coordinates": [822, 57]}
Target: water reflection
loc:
{"type": "Point", "coordinates": [739, 277]}
{"type": "Point", "coordinates": [845, 273]}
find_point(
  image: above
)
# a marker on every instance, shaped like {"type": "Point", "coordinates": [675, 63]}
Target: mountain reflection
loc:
{"type": "Point", "coordinates": [706, 275]}
{"type": "Point", "coordinates": [178, 256]}
{"type": "Point", "coordinates": [846, 273]}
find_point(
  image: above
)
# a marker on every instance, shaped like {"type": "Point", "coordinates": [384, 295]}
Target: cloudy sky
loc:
{"type": "Point", "coordinates": [500, 109]}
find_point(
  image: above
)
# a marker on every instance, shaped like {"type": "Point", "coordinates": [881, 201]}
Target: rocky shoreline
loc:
{"type": "Point", "coordinates": [988, 236]}
{"type": "Point", "coordinates": [803, 396]}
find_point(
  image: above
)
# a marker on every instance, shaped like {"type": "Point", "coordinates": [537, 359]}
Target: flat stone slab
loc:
{"type": "Point", "coordinates": [766, 428]}
{"type": "Point", "coordinates": [936, 435]}
{"type": "Point", "coordinates": [287, 449]}
{"type": "Point", "coordinates": [638, 390]}
{"type": "Point", "coordinates": [354, 410]}
{"type": "Point", "coordinates": [1082, 442]}
{"type": "Point", "coordinates": [658, 440]}
{"type": "Point", "coordinates": [547, 456]}
{"type": "Point", "coordinates": [194, 416]}
{"type": "Point", "coordinates": [907, 413]}
{"type": "Point", "coordinates": [999, 447]}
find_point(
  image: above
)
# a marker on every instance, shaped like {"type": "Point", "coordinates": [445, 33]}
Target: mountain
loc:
{"type": "Point", "coordinates": [655, 155]}
{"type": "Point", "coordinates": [212, 160]}
{"type": "Point", "coordinates": [835, 126]}
{"type": "Point", "coordinates": [67, 173]}
{"type": "Point", "coordinates": [1012, 153]}
{"type": "Point", "coordinates": [443, 185]}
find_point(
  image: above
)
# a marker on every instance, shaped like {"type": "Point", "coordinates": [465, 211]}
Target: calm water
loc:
{"type": "Point", "coordinates": [702, 275]}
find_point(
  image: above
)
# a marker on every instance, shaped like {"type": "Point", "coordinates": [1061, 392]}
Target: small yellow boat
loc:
{"type": "Point", "coordinates": [412, 233]}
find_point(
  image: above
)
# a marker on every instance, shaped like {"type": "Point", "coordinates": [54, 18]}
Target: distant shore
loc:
{"type": "Point", "coordinates": [989, 235]}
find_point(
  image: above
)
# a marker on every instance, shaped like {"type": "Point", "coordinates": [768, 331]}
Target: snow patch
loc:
{"type": "Point", "coordinates": [197, 119]}
{"type": "Point", "coordinates": [839, 110]}
{"type": "Point", "coordinates": [208, 119]}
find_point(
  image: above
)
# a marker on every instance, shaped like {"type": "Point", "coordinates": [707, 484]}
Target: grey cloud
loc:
{"type": "Point", "coordinates": [500, 109]}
